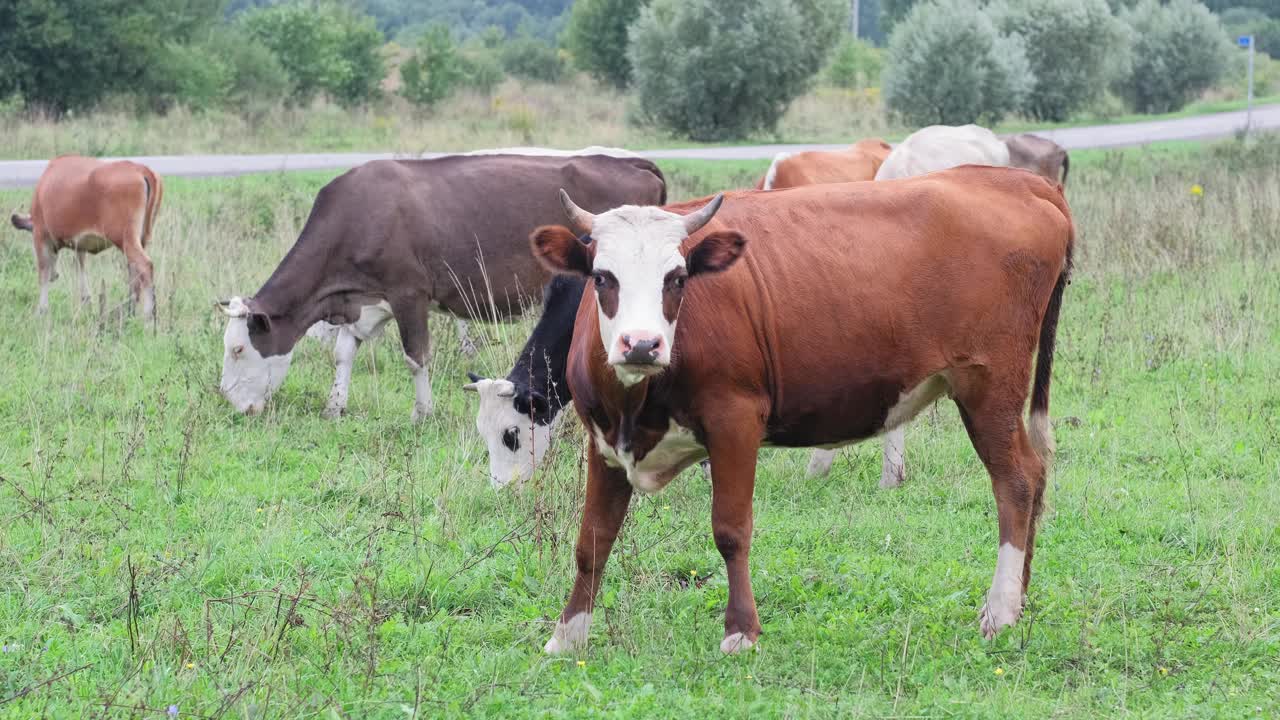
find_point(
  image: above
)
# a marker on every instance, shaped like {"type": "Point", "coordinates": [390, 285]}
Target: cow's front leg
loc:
{"type": "Point", "coordinates": [733, 480]}
{"type": "Point", "coordinates": [344, 358]}
{"type": "Point", "coordinates": [411, 319]}
{"type": "Point", "coordinates": [608, 494]}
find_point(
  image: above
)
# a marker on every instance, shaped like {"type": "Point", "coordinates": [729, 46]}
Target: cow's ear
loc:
{"type": "Point", "coordinates": [716, 252]}
{"type": "Point", "coordinates": [259, 323]}
{"type": "Point", "coordinates": [560, 251]}
{"type": "Point", "coordinates": [538, 404]}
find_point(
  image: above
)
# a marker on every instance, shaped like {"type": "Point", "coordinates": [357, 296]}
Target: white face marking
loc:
{"type": "Point", "coordinates": [569, 636]}
{"type": "Point", "coordinates": [1004, 602]}
{"type": "Point", "coordinates": [248, 378]}
{"type": "Point", "coordinates": [515, 443]}
{"type": "Point", "coordinates": [639, 246]}
{"type": "Point", "coordinates": [677, 450]}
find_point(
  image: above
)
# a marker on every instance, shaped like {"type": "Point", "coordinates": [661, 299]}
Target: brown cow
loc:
{"type": "Point", "coordinates": [1038, 155]}
{"type": "Point", "coordinates": [847, 313]}
{"type": "Point", "coordinates": [88, 205]}
{"type": "Point", "coordinates": [859, 162]}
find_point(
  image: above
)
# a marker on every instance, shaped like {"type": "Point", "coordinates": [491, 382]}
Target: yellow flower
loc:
{"type": "Point", "coordinates": [259, 509]}
{"type": "Point", "coordinates": [582, 663]}
{"type": "Point", "coordinates": [1164, 670]}
{"type": "Point", "coordinates": [693, 573]}
{"type": "Point", "coordinates": [666, 507]}
{"type": "Point", "coordinates": [191, 666]}
{"type": "Point", "coordinates": [1197, 190]}
{"type": "Point", "coordinates": [748, 676]}
{"type": "Point", "coordinates": [999, 671]}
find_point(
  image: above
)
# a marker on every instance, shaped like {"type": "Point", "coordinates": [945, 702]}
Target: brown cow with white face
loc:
{"type": "Point", "coordinates": [817, 316]}
{"type": "Point", "coordinates": [856, 163]}
{"type": "Point", "coordinates": [88, 205]}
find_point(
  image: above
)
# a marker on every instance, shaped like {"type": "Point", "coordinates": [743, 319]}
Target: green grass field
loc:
{"type": "Point", "coordinates": [156, 549]}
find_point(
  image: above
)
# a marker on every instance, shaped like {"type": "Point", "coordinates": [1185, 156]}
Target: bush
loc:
{"type": "Point", "coordinates": [325, 48]}
{"type": "Point", "coordinates": [1179, 50]}
{"type": "Point", "coordinates": [434, 70]}
{"type": "Point", "coordinates": [716, 69]}
{"type": "Point", "coordinates": [947, 64]}
{"type": "Point", "coordinates": [481, 70]}
{"type": "Point", "coordinates": [532, 59]}
{"type": "Point", "coordinates": [855, 64]}
{"type": "Point", "coordinates": [257, 79]}
{"type": "Point", "coordinates": [597, 38]}
{"type": "Point", "coordinates": [1071, 46]}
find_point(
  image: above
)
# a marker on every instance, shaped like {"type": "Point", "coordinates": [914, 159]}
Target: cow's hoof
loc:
{"type": "Point", "coordinates": [889, 481]}
{"type": "Point", "coordinates": [569, 636]}
{"type": "Point", "coordinates": [420, 414]}
{"type": "Point", "coordinates": [332, 413]}
{"type": "Point", "coordinates": [1000, 611]}
{"type": "Point", "coordinates": [735, 643]}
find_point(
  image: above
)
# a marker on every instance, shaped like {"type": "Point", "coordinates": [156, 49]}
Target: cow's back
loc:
{"type": "Point", "coordinates": [77, 195]}
{"type": "Point", "coordinates": [939, 147]}
{"type": "Point", "coordinates": [855, 164]}
{"type": "Point", "coordinates": [862, 281]}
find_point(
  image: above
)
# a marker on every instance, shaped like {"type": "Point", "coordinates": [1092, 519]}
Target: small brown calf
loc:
{"type": "Point", "coordinates": [88, 205]}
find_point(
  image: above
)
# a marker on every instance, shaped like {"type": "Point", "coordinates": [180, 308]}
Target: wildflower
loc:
{"type": "Point", "coordinates": [582, 663]}
{"type": "Point", "coordinates": [1197, 190]}
{"type": "Point", "coordinates": [666, 507]}
{"type": "Point", "coordinates": [1164, 670]}
{"type": "Point", "coordinates": [191, 666]}
{"type": "Point", "coordinates": [259, 509]}
{"type": "Point", "coordinates": [172, 711]}
{"type": "Point", "coordinates": [693, 573]}
{"type": "Point", "coordinates": [748, 676]}
{"type": "Point", "coordinates": [999, 671]}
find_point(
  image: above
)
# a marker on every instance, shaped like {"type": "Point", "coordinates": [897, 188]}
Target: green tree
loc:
{"type": "Point", "coordinates": [434, 70]}
{"type": "Point", "coordinates": [1179, 50]}
{"type": "Point", "coordinates": [855, 64]}
{"type": "Point", "coordinates": [324, 47]}
{"type": "Point", "coordinates": [1071, 46]}
{"type": "Point", "coordinates": [597, 38]}
{"type": "Point", "coordinates": [947, 64]}
{"type": "Point", "coordinates": [716, 69]}
{"type": "Point", "coordinates": [532, 59]}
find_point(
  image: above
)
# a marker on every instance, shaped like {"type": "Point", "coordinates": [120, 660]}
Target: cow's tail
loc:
{"type": "Point", "coordinates": [22, 222]}
{"type": "Point", "coordinates": [1066, 166]}
{"type": "Point", "coordinates": [1039, 428]}
{"type": "Point", "coordinates": [155, 191]}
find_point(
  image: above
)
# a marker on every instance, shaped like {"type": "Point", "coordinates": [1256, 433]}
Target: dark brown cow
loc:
{"type": "Point", "coordinates": [1039, 155]}
{"type": "Point", "coordinates": [88, 205]}
{"type": "Point", "coordinates": [847, 312]}
{"type": "Point", "coordinates": [397, 238]}
{"type": "Point", "coordinates": [858, 162]}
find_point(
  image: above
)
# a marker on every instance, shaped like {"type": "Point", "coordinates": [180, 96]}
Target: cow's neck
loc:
{"type": "Point", "coordinates": [300, 293]}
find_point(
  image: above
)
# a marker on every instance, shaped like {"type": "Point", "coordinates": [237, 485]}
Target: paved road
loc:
{"type": "Point", "coordinates": [23, 173]}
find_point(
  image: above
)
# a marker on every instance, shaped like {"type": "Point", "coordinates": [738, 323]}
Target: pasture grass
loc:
{"type": "Point", "coordinates": [157, 549]}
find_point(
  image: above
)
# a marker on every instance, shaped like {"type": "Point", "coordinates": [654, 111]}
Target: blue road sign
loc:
{"type": "Point", "coordinates": [1244, 40]}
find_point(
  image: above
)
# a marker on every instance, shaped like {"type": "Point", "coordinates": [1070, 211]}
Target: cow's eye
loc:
{"type": "Point", "coordinates": [598, 279]}
{"type": "Point", "coordinates": [511, 439]}
{"type": "Point", "coordinates": [237, 350]}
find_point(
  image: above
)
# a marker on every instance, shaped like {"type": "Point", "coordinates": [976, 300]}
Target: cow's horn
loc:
{"type": "Point", "coordinates": [234, 308]}
{"type": "Point", "coordinates": [580, 221]}
{"type": "Point", "coordinates": [693, 222]}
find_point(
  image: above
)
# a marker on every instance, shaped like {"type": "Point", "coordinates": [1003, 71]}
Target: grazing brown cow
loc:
{"type": "Point", "coordinates": [88, 205]}
{"type": "Point", "coordinates": [859, 161]}
{"type": "Point", "coordinates": [1038, 155]}
{"type": "Point", "coordinates": [847, 313]}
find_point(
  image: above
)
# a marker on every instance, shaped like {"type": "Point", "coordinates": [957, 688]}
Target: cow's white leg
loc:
{"type": "Point", "coordinates": [423, 405]}
{"type": "Point", "coordinates": [82, 277]}
{"type": "Point", "coordinates": [1004, 601]}
{"type": "Point", "coordinates": [464, 337]}
{"type": "Point", "coordinates": [569, 635]}
{"type": "Point", "coordinates": [894, 469]}
{"type": "Point", "coordinates": [820, 462]}
{"type": "Point", "coordinates": [344, 358]}
{"type": "Point", "coordinates": [46, 266]}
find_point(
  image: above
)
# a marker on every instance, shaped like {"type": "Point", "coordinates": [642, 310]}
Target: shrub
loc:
{"type": "Point", "coordinates": [257, 79]}
{"type": "Point", "coordinates": [1071, 46]}
{"type": "Point", "coordinates": [855, 64]}
{"type": "Point", "coordinates": [532, 59]}
{"type": "Point", "coordinates": [324, 47]}
{"type": "Point", "coordinates": [597, 38]}
{"type": "Point", "coordinates": [481, 70]}
{"type": "Point", "coordinates": [1179, 50]}
{"type": "Point", "coordinates": [715, 69]}
{"type": "Point", "coordinates": [947, 64]}
{"type": "Point", "coordinates": [434, 70]}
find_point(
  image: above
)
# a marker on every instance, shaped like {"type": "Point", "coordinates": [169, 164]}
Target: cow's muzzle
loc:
{"type": "Point", "coordinates": [639, 349]}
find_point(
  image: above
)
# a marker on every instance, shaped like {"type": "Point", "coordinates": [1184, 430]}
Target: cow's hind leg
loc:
{"type": "Point", "coordinates": [894, 468]}
{"type": "Point", "coordinates": [82, 277]}
{"type": "Point", "coordinates": [467, 343]}
{"type": "Point", "coordinates": [46, 267]}
{"type": "Point", "coordinates": [411, 318]}
{"type": "Point", "coordinates": [141, 287]}
{"type": "Point", "coordinates": [992, 414]}
{"type": "Point", "coordinates": [820, 462]}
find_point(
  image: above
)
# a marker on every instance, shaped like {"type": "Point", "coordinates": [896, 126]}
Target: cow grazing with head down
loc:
{"type": "Point", "coordinates": [1039, 155]}
{"type": "Point", "coordinates": [88, 205]}
{"type": "Point", "coordinates": [820, 315]}
{"type": "Point", "coordinates": [517, 413]}
{"type": "Point", "coordinates": [397, 238]}
{"type": "Point", "coordinates": [858, 162]}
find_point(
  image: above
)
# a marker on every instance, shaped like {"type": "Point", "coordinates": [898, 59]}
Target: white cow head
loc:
{"type": "Point", "coordinates": [516, 437]}
{"type": "Point", "coordinates": [632, 255]}
{"type": "Point", "coordinates": [249, 378]}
